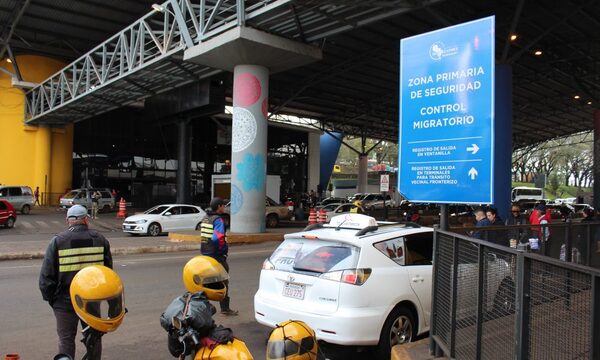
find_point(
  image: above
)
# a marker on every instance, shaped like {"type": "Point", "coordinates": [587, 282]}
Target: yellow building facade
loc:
{"type": "Point", "coordinates": [33, 155]}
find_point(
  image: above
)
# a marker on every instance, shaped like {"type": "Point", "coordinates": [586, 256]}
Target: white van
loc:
{"type": "Point", "coordinates": [21, 197]}
{"type": "Point", "coordinates": [84, 197]}
{"type": "Point", "coordinates": [521, 193]}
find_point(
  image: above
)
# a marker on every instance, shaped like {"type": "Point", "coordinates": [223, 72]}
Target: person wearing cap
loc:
{"type": "Point", "coordinates": [67, 253]}
{"type": "Point", "coordinates": [214, 244]}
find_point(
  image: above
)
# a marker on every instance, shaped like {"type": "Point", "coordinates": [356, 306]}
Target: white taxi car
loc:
{"type": "Point", "coordinates": [354, 281]}
{"type": "Point", "coordinates": [164, 218]}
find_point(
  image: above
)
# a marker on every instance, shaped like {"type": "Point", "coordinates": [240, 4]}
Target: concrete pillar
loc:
{"type": "Point", "coordinates": [314, 160]}
{"type": "Point", "coordinates": [184, 155]}
{"type": "Point", "coordinates": [503, 140]}
{"type": "Point", "coordinates": [249, 148]}
{"type": "Point", "coordinates": [363, 168]}
{"type": "Point", "coordinates": [597, 159]}
{"type": "Point", "coordinates": [43, 156]}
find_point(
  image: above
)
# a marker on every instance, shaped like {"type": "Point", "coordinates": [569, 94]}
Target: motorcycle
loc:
{"type": "Point", "coordinates": [192, 331]}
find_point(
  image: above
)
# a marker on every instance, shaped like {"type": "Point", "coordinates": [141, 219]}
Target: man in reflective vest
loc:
{"type": "Point", "coordinates": [214, 244]}
{"type": "Point", "coordinates": [67, 253]}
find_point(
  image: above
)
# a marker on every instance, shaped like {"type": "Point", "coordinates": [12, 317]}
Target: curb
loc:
{"type": "Point", "coordinates": [194, 237]}
{"type": "Point", "coordinates": [418, 350]}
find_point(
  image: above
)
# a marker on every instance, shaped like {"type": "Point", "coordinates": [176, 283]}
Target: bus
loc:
{"type": "Point", "coordinates": [520, 193]}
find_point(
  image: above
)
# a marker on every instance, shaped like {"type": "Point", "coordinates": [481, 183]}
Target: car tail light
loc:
{"type": "Point", "coordinates": [268, 265]}
{"type": "Point", "coordinates": [349, 276]}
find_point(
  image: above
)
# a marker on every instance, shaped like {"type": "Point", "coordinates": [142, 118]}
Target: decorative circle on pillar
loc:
{"type": "Point", "coordinates": [237, 199]}
{"type": "Point", "coordinates": [265, 107]}
{"type": "Point", "coordinates": [246, 90]}
{"type": "Point", "coordinates": [252, 172]}
{"type": "Point", "coordinates": [243, 131]}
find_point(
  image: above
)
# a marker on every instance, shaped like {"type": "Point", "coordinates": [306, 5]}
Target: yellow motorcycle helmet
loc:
{"type": "Point", "coordinates": [233, 350]}
{"type": "Point", "coordinates": [292, 340]}
{"type": "Point", "coordinates": [358, 203]}
{"type": "Point", "coordinates": [98, 298]}
{"type": "Point", "coordinates": [203, 273]}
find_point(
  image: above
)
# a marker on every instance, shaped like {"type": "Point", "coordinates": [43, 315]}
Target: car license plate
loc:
{"type": "Point", "coordinates": [295, 291]}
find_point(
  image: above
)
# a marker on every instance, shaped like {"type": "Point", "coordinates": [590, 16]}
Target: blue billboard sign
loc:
{"type": "Point", "coordinates": [446, 132]}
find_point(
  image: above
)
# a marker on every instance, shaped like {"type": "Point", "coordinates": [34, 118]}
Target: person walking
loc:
{"type": "Point", "coordinates": [95, 202]}
{"type": "Point", "coordinates": [36, 195]}
{"type": "Point", "coordinates": [516, 234]}
{"type": "Point", "coordinates": [214, 244]}
{"type": "Point", "coordinates": [67, 253]}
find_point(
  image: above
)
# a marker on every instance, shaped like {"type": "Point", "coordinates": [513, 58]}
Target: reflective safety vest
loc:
{"type": "Point", "coordinates": [207, 230]}
{"type": "Point", "coordinates": [71, 251]}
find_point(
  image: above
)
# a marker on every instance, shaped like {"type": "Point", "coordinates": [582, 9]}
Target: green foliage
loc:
{"type": "Point", "coordinates": [554, 183]}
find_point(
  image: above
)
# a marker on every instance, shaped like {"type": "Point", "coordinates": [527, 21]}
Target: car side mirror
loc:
{"type": "Point", "coordinates": [492, 257]}
{"type": "Point", "coordinates": [167, 214]}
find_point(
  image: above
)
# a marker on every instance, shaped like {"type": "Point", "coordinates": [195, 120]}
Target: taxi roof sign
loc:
{"type": "Point", "coordinates": [352, 221]}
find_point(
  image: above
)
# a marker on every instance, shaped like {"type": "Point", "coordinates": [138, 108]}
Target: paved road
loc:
{"type": "Point", "coordinates": [151, 282]}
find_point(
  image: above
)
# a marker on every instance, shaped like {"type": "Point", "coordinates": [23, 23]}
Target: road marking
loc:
{"type": "Point", "coordinates": [42, 224]}
{"type": "Point", "coordinates": [26, 224]}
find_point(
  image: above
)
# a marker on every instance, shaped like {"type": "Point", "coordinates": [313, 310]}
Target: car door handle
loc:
{"type": "Point", "coordinates": [417, 279]}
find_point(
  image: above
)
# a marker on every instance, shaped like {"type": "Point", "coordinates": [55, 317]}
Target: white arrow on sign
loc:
{"type": "Point", "coordinates": [473, 148]}
{"type": "Point", "coordinates": [472, 173]}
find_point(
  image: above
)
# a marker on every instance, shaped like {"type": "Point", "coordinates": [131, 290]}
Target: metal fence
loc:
{"type": "Point", "coordinates": [572, 241]}
{"type": "Point", "coordinates": [493, 302]}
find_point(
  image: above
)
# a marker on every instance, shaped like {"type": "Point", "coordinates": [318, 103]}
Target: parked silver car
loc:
{"type": "Point", "coordinates": [375, 201]}
{"type": "Point", "coordinates": [84, 197]}
{"type": "Point", "coordinates": [21, 197]}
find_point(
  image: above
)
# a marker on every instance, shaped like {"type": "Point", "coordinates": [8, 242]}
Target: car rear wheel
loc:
{"type": "Point", "coordinates": [504, 301]}
{"type": "Point", "coordinates": [10, 222]}
{"type": "Point", "coordinates": [399, 328]}
{"type": "Point", "coordinates": [272, 220]}
{"type": "Point", "coordinates": [154, 229]}
{"type": "Point", "coordinates": [26, 209]}
{"type": "Point", "coordinates": [106, 208]}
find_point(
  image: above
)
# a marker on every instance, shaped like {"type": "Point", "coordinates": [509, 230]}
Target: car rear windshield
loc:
{"type": "Point", "coordinates": [314, 256]}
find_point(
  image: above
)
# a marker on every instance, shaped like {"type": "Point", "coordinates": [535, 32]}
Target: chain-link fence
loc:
{"type": "Point", "coordinates": [493, 302]}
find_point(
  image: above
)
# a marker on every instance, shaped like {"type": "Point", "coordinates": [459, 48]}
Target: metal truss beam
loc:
{"type": "Point", "coordinates": [153, 38]}
{"type": "Point", "coordinates": [5, 36]}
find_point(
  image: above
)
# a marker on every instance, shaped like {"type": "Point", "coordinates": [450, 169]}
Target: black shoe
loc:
{"type": "Point", "coordinates": [229, 312]}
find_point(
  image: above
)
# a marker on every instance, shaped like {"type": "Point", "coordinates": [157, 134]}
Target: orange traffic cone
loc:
{"type": "Point", "coordinates": [312, 216]}
{"type": "Point", "coordinates": [122, 212]}
{"type": "Point", "coordinates": [322, 216]}
{"type": "Point", "coordinates": [12, 357]}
